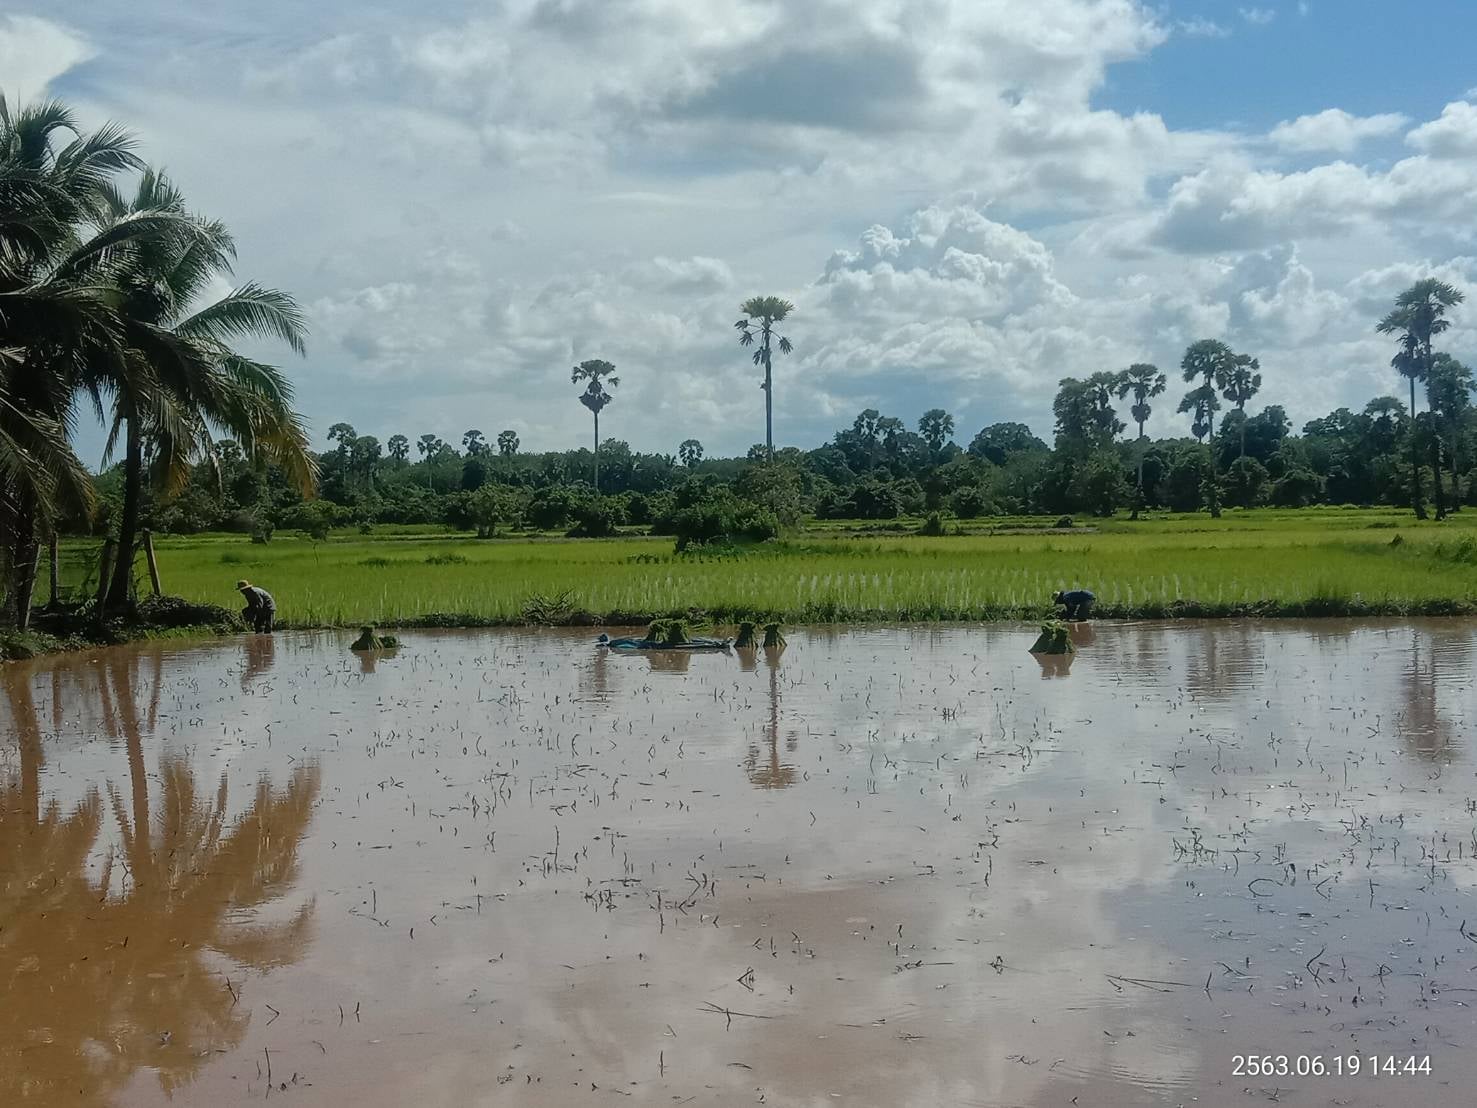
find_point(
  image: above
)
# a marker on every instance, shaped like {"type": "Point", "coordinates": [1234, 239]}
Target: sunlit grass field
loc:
{"type": "Point", "coordinates": [1316, 561]}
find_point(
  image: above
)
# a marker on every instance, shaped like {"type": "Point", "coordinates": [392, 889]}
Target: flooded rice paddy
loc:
{"type": "Point", "coordinates": [882, 867]}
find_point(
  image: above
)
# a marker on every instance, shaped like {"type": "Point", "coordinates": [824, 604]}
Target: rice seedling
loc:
{"type": "Point", "coordinates": [1248, 563]}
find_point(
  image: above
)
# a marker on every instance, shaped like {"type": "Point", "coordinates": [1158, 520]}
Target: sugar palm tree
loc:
{"type": "Point", "coordinates": [1208, 361]}
{"type": "Point", "coordinates": [182, 382]}
{"type": "Point", "coordinates": [507, 443]}
{"type": "Point", "coordinates": [1239, 382]}
{"type": "Point", "coordinates": [599, 374]}
{"type": "Point", "coordinates": [690, 452]}
{"type": "Point", "coordinates": [761, 315]}
{"type": "Point", "coordinates": [1418, 316]}
{"type": "Point", "coordinates": [1143, 382]}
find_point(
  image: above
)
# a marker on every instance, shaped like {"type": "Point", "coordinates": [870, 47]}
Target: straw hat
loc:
{"type": "Point", "coordinates": [242, 584]}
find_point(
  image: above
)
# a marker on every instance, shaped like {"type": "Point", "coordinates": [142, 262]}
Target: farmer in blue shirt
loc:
{"type": "Point", "coordinates": [260, 608]}
{"type": "Point", "coordinates": [1078, 603]}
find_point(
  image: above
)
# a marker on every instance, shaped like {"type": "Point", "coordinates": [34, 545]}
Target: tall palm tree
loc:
{"type": "Point", "coordinates": [1143, 382]}
{"type": "Point", "coordinates": [1207, 361]}
{"type": "Point", "coordinates": [58, 318]}
{"type": "Point", "coordinates": [1418, 316]}
{"type": "Point", "coordinates": [183, 383]}
{"type": "Point", "coordinates": [507, 443]}
{"type": "Point", "coordinates": [1449, 386]}
{"type": "Point", "coordinates": [690, 452]}
{"type": "Point", "coordinates": [761, 315]}
{"type": "Point", "coordinates": [598, 373]}
{"type": "Point", "coordinates": [1239, 382]}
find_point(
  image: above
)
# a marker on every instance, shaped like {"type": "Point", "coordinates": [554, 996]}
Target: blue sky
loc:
{"type": "Point", "coordinates": [966, 199]}
{"type": "Point", "coordinates": [1359, 55]}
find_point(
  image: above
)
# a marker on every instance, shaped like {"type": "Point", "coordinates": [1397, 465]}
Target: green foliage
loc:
{"type": "Point", "coordinates": [1054, 639]}
{"type": "Point", "coordinates": [1245, 483]}
{"type": "Point", "coordinates": [934, 525]}
{"type": "Point", "coordinates": [668, 632]}
{"type": "Point", "coordinates": [370, 639]}
{"type": "Point", "coordinates": [711, 513]}
{"type": "Point", "coordinates": [598, 518]}
{"type": "Point", "coordinates": [1296, 488]}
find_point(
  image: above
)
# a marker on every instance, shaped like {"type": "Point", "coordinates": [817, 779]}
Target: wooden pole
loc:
{"type": "Point", "coordinates": [153, 563]}
{"type": "Point", "coordinates": [104, 572]}
{"type": "Point", "coordinates": [56, 576]}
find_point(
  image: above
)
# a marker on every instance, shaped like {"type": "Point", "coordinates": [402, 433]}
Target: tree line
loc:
{"type": "Point", "coordinates": [105, 305]}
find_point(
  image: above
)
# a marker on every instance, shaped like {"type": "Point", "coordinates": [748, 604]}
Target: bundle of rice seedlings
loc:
{"type": "Point", "coordinates": [1053, 639]}
{"type": "Point", "coordinates": [675, 633]}
{"type": "Point", "coordinates": [745, 635]}
{"type": "Point", "coordinates": [369, 640]}
{"type": "Point", "coordinates": [773, 636]}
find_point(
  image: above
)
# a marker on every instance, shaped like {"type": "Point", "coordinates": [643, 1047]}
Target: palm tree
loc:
{"type": "Point", "coordinates": [398, 448]}
{"type": "Point", "coordinates": [507, 443]}
{"type": "Point", "coordinates": [1143, 382]}
{"type": "Point", "coordinates": [598, 374]}
{"type": "Point", "coordinates": [1418, 316]}
{"type": "Point", "coordinates": [56, 320]}
{"type": "Point", "coordinates": [473, 443]}
{"type": "Point", "coordinates": [1239, 382]}
{"type": "Point", "coordinates": [761, 314]}
{"type": "Point", "coordinates": [1209, 361]}
{"type": "Point", "coordinates": [690, 452]}
{"type": "Point", "coordinates": [182, 382]}
{"type": "Point", "coordinates": [936, 425]}
{"type": "Point", "coordinates": [1449, 386]}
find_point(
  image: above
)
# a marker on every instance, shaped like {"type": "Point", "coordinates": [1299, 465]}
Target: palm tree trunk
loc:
{"type": "Point", "coordinates": [597, 453]}
{"type": "Point", "coordinates": [119, 592]}
{"type": "Point", "coordinates": [24, 554]}
{"type": "Point", "coordinates": [1138, 498]}
{"type": "Point", "coordinates": [1417, 501]}
{"type": "Point", "coordinates": [1436, 469]}
{"type": "Point", "coordinates": [768, 404]}
{"type": "Point", "coordinates": [1215, 504]}
{"type": "Point", "coordinates": [1242, 410]}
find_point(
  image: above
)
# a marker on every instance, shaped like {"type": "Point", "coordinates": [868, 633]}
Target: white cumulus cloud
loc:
{"type": "Point", "coordinates": [34, 52]}
{"type": "Point", "coordinates": [1334, 130]}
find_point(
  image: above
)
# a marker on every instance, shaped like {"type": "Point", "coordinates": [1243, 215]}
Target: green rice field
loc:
{"type": "Point", "coordinates": [1315, 561]}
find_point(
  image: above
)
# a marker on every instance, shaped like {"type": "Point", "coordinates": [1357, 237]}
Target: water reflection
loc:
{"type": "Point", "coordinates": [261, 653]}
{"type": "Point", "coordinates": [763, 764]}
{"type": "Point", "coordinates": [668, 661]}
{"type": "Point", "coordinates": [1054, 665]}
{"type": "Point", "coordinates": [115, 967]}
{"type": "Point", "coordinates": [1434, 669]}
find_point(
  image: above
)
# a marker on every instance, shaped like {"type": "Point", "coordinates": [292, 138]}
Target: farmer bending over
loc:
{"type": "Point", "coordinates": [1078, 603]}
{"type": "Point", "coordinates": [260, 607]}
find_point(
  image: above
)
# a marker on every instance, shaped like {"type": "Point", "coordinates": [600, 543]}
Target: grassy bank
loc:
{"type": "Point", "coordinates": [1264, 563]}
{"type": "Point", "coordinates": [75, 627]}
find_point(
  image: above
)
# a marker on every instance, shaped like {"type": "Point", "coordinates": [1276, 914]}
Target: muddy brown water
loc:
{"type": "Point", "coordinates": [885, 866]}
